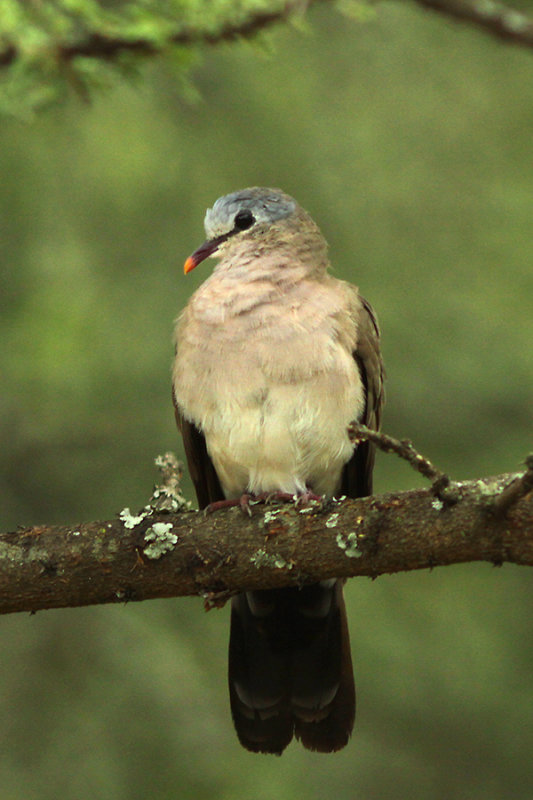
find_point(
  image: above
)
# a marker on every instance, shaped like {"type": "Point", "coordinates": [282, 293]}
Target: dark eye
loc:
{"type": "Point", "coordinates": [244, 219]}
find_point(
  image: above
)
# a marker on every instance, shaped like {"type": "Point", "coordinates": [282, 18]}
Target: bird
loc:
{"type": "Point", "coordinates": [274, 357]}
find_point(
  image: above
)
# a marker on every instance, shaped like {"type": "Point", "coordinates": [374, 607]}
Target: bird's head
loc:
{"type": "Point", "coordinates": [255, 216]}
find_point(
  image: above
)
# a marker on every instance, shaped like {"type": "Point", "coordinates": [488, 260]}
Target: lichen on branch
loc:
{"type": "Point", "coordinates": [214, 556]}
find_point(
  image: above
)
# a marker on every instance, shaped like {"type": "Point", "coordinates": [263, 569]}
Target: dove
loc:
{"type": "Point", "coordinates": [274, 358]}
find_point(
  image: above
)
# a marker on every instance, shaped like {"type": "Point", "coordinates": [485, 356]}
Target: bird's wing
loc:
{"type": "Point", "coordinates": [201, 469]}
{"type": "Point", "coordinates": [357, 473]}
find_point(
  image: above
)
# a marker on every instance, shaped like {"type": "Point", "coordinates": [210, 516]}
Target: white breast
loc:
{"type": "Point", "coordinates": [288, 438]}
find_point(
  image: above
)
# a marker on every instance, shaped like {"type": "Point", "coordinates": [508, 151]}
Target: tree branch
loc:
{"type": "Point", "coordinates": [101, 46]}
{"type": "Point", "coordinates": [503, 22]}
{"type": "Point", "coordinates": [189, 553]}
{"type": "Point", "coordinates": [441, 484]}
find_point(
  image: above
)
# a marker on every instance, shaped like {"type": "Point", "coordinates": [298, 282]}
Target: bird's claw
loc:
{"type": "Point", "coordinates": [247, 500]}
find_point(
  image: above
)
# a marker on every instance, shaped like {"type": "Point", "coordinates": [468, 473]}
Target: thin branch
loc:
{"type": "Point", "coordinates": [441, 485]}
{"type": "Point", "coordinates": [217, 555]}
{"type": "Point", "coordinates": [515, 490]}
{"type": "Point", "coordinates": [168, 496]}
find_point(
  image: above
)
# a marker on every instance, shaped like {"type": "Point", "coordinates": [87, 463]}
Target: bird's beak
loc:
{"type": "Point", "coordinates": [206, 250]}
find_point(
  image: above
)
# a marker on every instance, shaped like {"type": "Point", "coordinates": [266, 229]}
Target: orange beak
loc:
{"type": "Point", "coordinates": [207, 249]}
{"type": "Point", "coordinates": [189, 264]}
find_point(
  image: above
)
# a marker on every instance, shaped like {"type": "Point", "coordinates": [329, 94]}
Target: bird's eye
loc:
{"type": "Point", "coordinates": [244, 219]}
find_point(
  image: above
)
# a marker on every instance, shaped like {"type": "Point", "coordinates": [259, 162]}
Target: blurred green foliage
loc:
{"type": "Point", "coordinates": [409, 141]}
{"type": "Point", "coordinates": [49, 50]}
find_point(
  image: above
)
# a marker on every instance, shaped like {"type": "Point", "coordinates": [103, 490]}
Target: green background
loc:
{"type": "Point", "coordinates": [410, 141]}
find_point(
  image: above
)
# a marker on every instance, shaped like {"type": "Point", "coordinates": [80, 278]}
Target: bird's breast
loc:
{"type": "Point", "coordinates": [273, 393]}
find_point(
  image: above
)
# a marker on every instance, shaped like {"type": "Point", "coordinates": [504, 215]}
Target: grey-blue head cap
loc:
{"type": "Point", "coordinates": [237, 212]}
{"type": "Point", "coordinates": [265, 205]}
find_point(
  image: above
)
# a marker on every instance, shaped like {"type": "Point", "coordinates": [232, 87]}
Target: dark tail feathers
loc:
{"type": "Point", "coordinates": [290, 668]}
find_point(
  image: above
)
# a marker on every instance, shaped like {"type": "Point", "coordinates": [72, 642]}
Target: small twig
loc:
{"type": "Point", "coordinates": [170, 468]}
{"type": "Point", "coordinates": [441, 484]}
{"type": "Point", "coordinates": [168, 496]}
{"type": "Point", "coordinates": [216, 599]}
{"type": "Point", "coordinates": [514, 491]}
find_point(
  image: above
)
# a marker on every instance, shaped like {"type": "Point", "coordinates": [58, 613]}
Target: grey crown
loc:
{"type": "Point", "coordinates": [267, 205]}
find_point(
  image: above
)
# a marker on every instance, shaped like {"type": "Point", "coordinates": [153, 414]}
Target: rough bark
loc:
{"type": "Point", "coordinates": [216, 555]}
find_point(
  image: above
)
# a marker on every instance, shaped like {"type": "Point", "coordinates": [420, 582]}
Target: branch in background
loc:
{"type": "Point", "coordinates": [505, 23]}
{"type": "Point", "coordinates": [508, 24]}
{"type": "Point", "coordinates": [99, 46]}
{"type": "Point", "coordinates": [217, 555]}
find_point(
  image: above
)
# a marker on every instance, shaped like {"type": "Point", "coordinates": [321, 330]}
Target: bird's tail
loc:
{"type": "Point", "coordinates": [290, 668]}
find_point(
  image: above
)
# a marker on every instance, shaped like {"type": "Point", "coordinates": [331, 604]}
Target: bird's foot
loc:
{"type": "Point", "coordinates": [307, 497]}
{"type": "Point", "coordinates": [243, 502]}
{"type": "Point", "coordinates": [298, 498]}
{"type": "Point", "coordinates": [247, 500]}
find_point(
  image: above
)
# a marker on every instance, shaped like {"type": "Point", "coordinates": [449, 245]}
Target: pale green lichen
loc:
{"type": "Point", "coordinates": [489, 487]}
{"type": "Point", "coordinates": [332, 520]}
{"type": "Point", "coordinates": [130, 520]}
{"type": "Point", "coordinates": [350, 545]}
{"type": "Point", "coordinates": [11, 552]}
{"type": "Point", "coordinates": [515, 21]}
{"type": "Point", "coordinates": [280, 563]}
{"type": "Point", "coordinates": [263, 559]}
{"type": "Point", "coordinates": [340, 499]}
{"type": "Point", "coordinates": [165, 498]}
{"type": "Point", "coordinates": [160, 539]}
{"type": "Point", "coordinates": [437, 504]}
{"type": "Point", "coordinates": [271, 514]}
{"type": "Point", "coordinates": [487, 8]}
